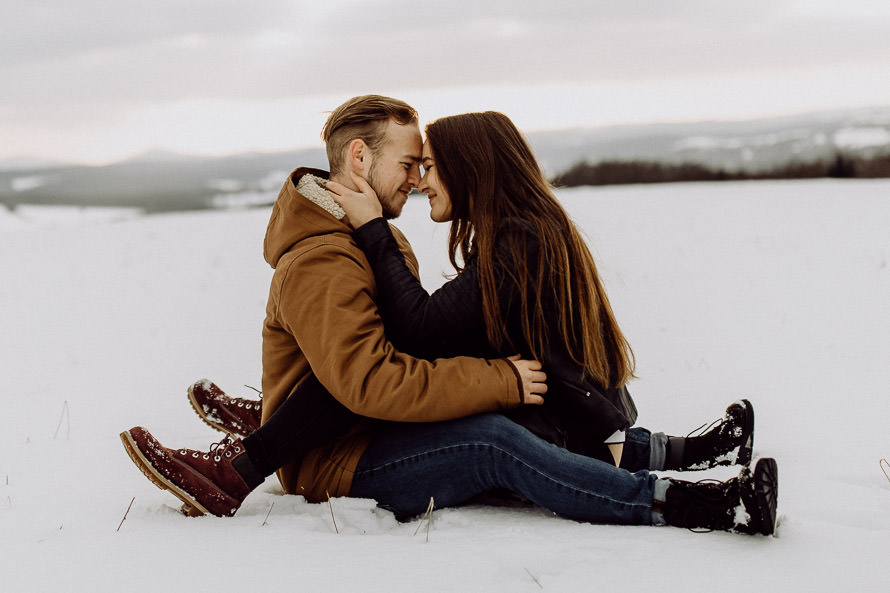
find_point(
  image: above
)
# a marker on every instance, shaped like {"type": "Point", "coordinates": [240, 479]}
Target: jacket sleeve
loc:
{"type": "Point", "coordinates": [410, 311]}
{"type": "Point", "coordinates": [327, 304]}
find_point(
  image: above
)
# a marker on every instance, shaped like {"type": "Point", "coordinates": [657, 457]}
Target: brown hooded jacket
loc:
{"type": "Point", "coordinates": [321, 318]}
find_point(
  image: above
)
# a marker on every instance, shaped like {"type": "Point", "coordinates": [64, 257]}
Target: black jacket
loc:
{"type": "Point", "coordinates": [578, 414]}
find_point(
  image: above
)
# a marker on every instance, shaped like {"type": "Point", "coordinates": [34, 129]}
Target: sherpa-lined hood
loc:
{"type": "Point", "coordinates": [303, 209]}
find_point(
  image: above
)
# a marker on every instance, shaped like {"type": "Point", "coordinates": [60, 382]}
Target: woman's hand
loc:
{"type": "Point", "coordinates": [360, 206]}
{"type": "Point", "coordinates": [534, 380]}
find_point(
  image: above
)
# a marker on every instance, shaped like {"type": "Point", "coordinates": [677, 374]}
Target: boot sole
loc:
{"type": "Point", "coordinates": [199, 410]}
{"type": "Point", "coordinates": [747, 447]}
{"type": "Point", "coordinates": [761, 497]}
{"type": "Point", "coordinates": [190, 506]}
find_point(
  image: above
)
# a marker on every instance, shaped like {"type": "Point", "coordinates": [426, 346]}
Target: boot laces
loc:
{"type": "Point", "coordinates": [712, 502]}
{"type": "Point", "coordinates": [249, 404]}
{"type": "Point", "coordinates": [225, 447]}
{"type": "Point", "coordinates": [704, 428]}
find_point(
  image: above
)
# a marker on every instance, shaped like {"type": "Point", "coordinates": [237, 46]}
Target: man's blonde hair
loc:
{"type": "Point", "coordinates": [363, 118]}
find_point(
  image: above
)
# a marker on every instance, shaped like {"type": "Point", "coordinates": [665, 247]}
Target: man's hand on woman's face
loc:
{"type": "Point", "coordinates": [360, 206]}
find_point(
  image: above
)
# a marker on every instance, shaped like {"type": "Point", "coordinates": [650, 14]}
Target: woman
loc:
{"type": "Point", "coordinates": [528, 283]}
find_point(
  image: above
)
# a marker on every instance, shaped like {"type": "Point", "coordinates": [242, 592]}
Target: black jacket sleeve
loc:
{"type": "Point", "coordinates": [408, 309]}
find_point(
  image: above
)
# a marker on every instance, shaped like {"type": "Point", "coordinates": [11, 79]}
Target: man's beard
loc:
{"type": "Point", "coordinates": [391, 205]}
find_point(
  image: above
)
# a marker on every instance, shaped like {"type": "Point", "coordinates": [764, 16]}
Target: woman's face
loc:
{"type": "Point", "coordinates": [440, 203]}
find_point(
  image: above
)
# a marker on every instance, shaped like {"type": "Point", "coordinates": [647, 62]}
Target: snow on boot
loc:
{"type": "Point", "coordinates": [234, 416]}
{"type": "Point", "coordinates": [727, 441]}
{"type": "Point", "coordinates": [206, 481]}
{"type": "Point", "coordinates": [746, 504]}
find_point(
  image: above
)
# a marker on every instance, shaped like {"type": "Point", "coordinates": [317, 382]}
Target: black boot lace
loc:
{"type": "Point", "coordinates": [704, 428]}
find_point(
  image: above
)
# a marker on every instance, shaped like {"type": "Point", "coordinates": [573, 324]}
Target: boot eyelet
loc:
{"type": "Point", "coordinates": [217, 458]}
{"type": "Point", "coordinates": [196, 454]}
{"type": "Point", "coordinates": [206, 456]}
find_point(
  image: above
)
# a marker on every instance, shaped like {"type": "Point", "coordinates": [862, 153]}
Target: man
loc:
{"type": "Point", "coordinates": [322, 328]}
{"type": "Point", "coordinates": [322, 323]}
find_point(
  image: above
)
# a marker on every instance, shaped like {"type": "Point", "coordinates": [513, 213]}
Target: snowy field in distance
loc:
{"type": "Point", "coordinates": [775, 291]}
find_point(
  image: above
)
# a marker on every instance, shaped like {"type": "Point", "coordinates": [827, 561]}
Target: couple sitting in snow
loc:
{"type": "Point", "coordinates": [509, 378]}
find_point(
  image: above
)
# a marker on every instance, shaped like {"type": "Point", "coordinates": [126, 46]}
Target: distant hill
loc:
{"type": "Point", "coordinates": [750, 146]}
{"type": "Point", "coordinates": [161, 181]}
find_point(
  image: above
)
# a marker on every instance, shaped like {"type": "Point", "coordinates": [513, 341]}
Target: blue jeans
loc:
{"type": "Point", "coordinates": [644, 450]}
{"type": "Point", "coordinates": [454, 461]}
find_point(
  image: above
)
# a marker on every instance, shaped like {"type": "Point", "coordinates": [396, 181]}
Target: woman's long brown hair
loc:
{"type": "Point", "coordinates": [491, 174]}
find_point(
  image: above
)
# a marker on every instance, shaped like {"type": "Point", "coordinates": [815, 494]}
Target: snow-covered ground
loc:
{"type": "Point", "coordinates": [773, 291]}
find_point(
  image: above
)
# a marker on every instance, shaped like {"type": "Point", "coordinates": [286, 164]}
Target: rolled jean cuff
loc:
{"type": "Point", "coordinates": [657, 450]}
{"type": "Point", "coordinates": [659, 495]}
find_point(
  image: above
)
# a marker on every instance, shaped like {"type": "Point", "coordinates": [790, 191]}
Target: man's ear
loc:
{"type": "Point", "coordinates": [358, 156]}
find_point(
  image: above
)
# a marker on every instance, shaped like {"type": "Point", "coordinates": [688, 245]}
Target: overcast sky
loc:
{"type": "Point", "coordinates": [99, 80]}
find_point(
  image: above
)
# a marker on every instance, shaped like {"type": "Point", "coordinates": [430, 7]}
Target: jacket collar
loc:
{"type": "Point", "coordinates": [311, 187]}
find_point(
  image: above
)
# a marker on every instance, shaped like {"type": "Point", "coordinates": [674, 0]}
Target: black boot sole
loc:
{"type": "Point", "coordinates": [760, 495]}
{"type": "Point", "coordinates": [746, 449]}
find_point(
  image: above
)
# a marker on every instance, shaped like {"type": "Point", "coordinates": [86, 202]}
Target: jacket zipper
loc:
{"type": "Point", "coordinates": [574, 387]}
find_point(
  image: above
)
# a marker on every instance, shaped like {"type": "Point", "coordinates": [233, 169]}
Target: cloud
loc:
{"type": "Point", "coordinates": [59, 30]}
{"type": "Point", "coordinates": [101, 53]}
{"type": "Point", "coordinates": [100, 62]}
{"type": "Point", "coordinates": [468, 42]}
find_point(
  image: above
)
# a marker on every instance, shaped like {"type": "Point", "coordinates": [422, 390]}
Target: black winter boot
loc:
{"type": "Point", "coordinates": [746, 504]}
{"type": "Point", "coordinates": [728, 441]}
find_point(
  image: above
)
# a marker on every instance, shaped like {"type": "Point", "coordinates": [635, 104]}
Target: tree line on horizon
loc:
{"type": "Point", "coordinates": [620, 172]}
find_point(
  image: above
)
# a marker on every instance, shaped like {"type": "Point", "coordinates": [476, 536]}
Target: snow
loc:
{"type": "Point", "coordinates": [774, 291]}
{"type": "Point", "coordinates": [761, 140]}
{"type": "Point", "coordinates": [39, 217]}
{"type": "Point", "coordinates": [27, 182]}
{"type": "Point", "coordinates": [862, 137]}
{"type": "Point", "coordinates": [225, 185]}
{"type": "Point", "coordinates": [244, 199]}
